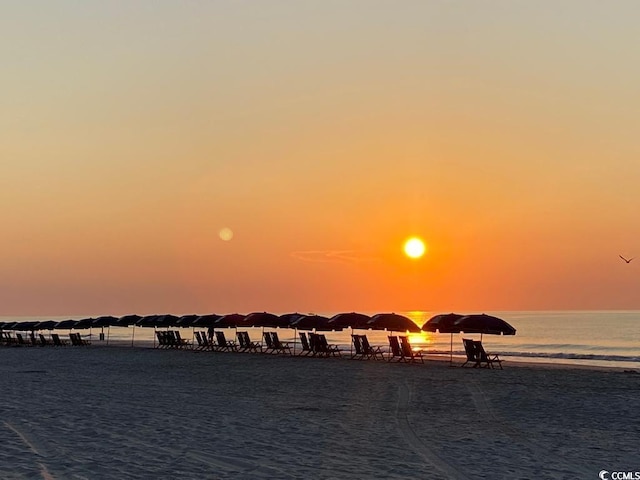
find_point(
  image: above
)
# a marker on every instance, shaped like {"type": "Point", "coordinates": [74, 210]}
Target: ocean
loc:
{"type": "Point", "coordinates": [595, 338]}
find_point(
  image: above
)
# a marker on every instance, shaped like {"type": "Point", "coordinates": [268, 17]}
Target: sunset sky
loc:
{"type": "Point", "coordinates": [220, 156]}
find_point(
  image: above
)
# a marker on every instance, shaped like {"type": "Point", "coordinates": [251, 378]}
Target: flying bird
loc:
{"type": "Point", "coordinates": [626, 260]}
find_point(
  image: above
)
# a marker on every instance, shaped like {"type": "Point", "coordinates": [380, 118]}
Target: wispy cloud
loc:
{"type": "Point", "coordinates": [333, 256]}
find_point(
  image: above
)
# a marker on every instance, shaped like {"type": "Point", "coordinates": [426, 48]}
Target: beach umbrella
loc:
{"type": "Point", "coordinates": [350, 320]}
{"type": "Point", "coordinates": [84, 323]}
{"type": "Point", "coordinates": [206, 321]}
{"type": "Point", "coordinates": [483, 324]}
{"type": "Point", "coordinates": [105, 321]}
{"type": "Point", "coordinates": [187, 321]}
{"type": "Point", "coordinates": [393, 322]}
{"type": "Point", "coordinates": [8, 325]}
{"type": "Point", "coordinates": [266, 319]}
{"type": "Point", "coordinates": [25, 326]}
{"type": "Point", "coordinates": [314, 322]}
{"type": "Point", "coordinates": [230, 320]}
{"type": "Point", "coordinates": [66, 324]}
{"type": "Point", "coordinates": [127, 320]}
{"type": "Point", "coordinates": [291, 317]}
{"type": "Point", "coordinates": [443, 323]}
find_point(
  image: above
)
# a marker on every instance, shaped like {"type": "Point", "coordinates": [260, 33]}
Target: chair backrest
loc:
{"type": "Point", "coordinates": [481, 354]}
{"type": "Point", "coordinates": [394, 346]}
{"type": "Point", "coordinates": [366, 347]}
{"type": "Point", "coordinates": [357, 344]}
{"type": "Point", "coordinates": [221, 339]}
{"type": "Point", "coordinates": [56, 339]}
{"type": "Point", "coordinates": [20, 339]}
{"type": "Point", "coordinates": [305, 341]}
{"type": "Point", "coordinates": [161, 337]}
{"type": "Point", "coordinates": [405, 347]}
{"type": "Point", "coordinates": [268, 339]}
{"type": "Point", "coordinates": [43, 340]}
{"type": "Point", "coordinates": [276, 340]}
{"type": "Point", "coordinates": [469, 349]}
{"type": "Point", "coordinates": [199, 339]}
{"type": "Point", "coordinates": [74, 340]}
{"type": "Point", "coordinates": [241, 339]}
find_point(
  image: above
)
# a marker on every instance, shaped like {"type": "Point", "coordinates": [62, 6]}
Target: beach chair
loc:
{"type": "Point", "coordinates": [246, 345]}
{"type": "Point", "coordinates": [278, 346]}
{"type": "Point", "coordinates": [369, 351]}
{"type": "Point", "coordinates": [470, 352]}
{"type": "Point", "coordinates": [395, 354]}
{"type": "Point", "coordinates": [201, 345]}
{"type": "Point", "coordinates": [21, 341]}
{"type": "Point", "coordinates": [57, 341]}
{"type": "Point", "coordinates": [224, 345]}
{"type": "Point", "coordinates": [8, 339]}
{"type": "Point", "coordinates": [78, 341]}
{"type": "Point", "coordinates": [306, 348]}
{"type": "Point", "coordinates": [43, 341]}
{"type": "Point", "coordinates": [484, 358]}
{"type": "Point", "coordinates": [321, 347]}
{"type": "Point", "coordinates": [358, 353]}
{"type": "Point", "coordinates": [179, 341]}
{"type": "Point", "coordinates": [410, 355]}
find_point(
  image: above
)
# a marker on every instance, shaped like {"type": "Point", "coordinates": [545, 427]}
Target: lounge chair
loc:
{"type": "Point", "coordinates": [163, 340]}
{"type": "Point", "coordinates": [470, 351]}
{"type": "Point", "coordinates": [410, 355]}
{"type": "Point", "coordinates": [484, 358]}
{"type": "Point", "coordinates": [374, 351]}
{"type": "Point", "coordinates": [306, 348]}
{"type": "Point", "coordinates": [78, 341]}
{"type": "Point", "coordinates": [246, 345]}
{"type": "Point", "coordinates": [179, 341]}
{"type": "Point", "coordinates": [57, 341]}
{"type": "Point", "coordinates": [43, 341]}
{"type": "Point", "coordinates": [321, 347]}
{"type": "Point", "coordinates": [358, 353]}
{"type": "Point", "coordinates": [395, 354]}
{"type": "Point", "coordinates": [224, 345]}
{"type": "Point", "coordinates": [278, 346]}
{"type": "Point", "coordinates": [21, 341]}
{"type": "Point", "coordinates": [201, 345]}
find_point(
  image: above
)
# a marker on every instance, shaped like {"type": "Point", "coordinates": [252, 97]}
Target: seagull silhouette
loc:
{"type": "Point", "coordinates": [626, 260]}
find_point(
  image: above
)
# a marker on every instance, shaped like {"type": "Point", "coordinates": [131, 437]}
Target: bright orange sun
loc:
{"type": "Point", "coordinates": [414, 247]}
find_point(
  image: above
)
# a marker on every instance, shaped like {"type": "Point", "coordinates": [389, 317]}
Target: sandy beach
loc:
{"type": "Point", "coordinates": [117, 412]}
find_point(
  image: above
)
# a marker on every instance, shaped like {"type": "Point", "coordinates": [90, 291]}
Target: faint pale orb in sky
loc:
{"type": "Point", "coordinates": [225, 234]}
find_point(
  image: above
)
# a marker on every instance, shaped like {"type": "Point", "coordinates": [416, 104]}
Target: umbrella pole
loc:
{"type": "Point", "coordinates": [133, 335]}
{"type": "Point", "coordinates": [295, 338]}
{"type": "Point", "coordinates": [451, 352]}
{"type": "Point", "coordinates": [351, 343]}
{"type": "Point", "coordinates": [108, 333]}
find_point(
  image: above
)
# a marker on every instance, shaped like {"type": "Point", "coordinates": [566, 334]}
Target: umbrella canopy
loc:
{"type": "Point", "coordinates": [206, 321]}
{"type": "Point", "coordinates": [187, 320]}
{"type": "Point", "coordinates": [105, 321]}
{"type": "Point", "coordinates": [127, 320]}
{"type": "Point", "coordinates": [393, 322]}
{"type": "Point", "coordinates": [443, 323]}
{"type": "Point", "coordinates": [66, 324]}
{"type": "Point", "coordinates": [8, 325]}
{"type": "Point", "coordinates": [25, 326]}
{"type": "Point", "coordinates": [148, 321]}
{"type": "Point", "coordinates": [350, 320]}
{"type": "Point", "coordinates": [167, 320]}
{"type": "Point", "coordinates": [46, 325]}
{"type": "Point", "coordinates": [292, 317]}
{"type": "Point", "coordinates": [229, 320]}
{"type": "Point", "coordinates": [314, 322]}
{"type": "Point", "coordinates": [484, 324]}
{"type": "Point", "coordinates": [265, 319]}
{"type": "Point", "coordinates": [84, 323]}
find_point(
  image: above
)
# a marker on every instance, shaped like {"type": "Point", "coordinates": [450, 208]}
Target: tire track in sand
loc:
{"type": "Point", "coordinates": [46, 475]}
{"type": "Point", "coordinates": [483, 406]}
{"type": "Point", "coordinates": [446, 468]}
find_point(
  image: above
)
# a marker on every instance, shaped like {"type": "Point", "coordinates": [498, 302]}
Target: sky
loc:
{"type": "Point", "coordinates": [234, 156]}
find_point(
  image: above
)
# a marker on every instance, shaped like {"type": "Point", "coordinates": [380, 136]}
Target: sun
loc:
{"type": "Point", "coordinates": [414, 247]}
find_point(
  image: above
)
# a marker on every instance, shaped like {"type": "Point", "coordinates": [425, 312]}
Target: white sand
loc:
{"type": "Point", "coordinates": [128, 413]}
